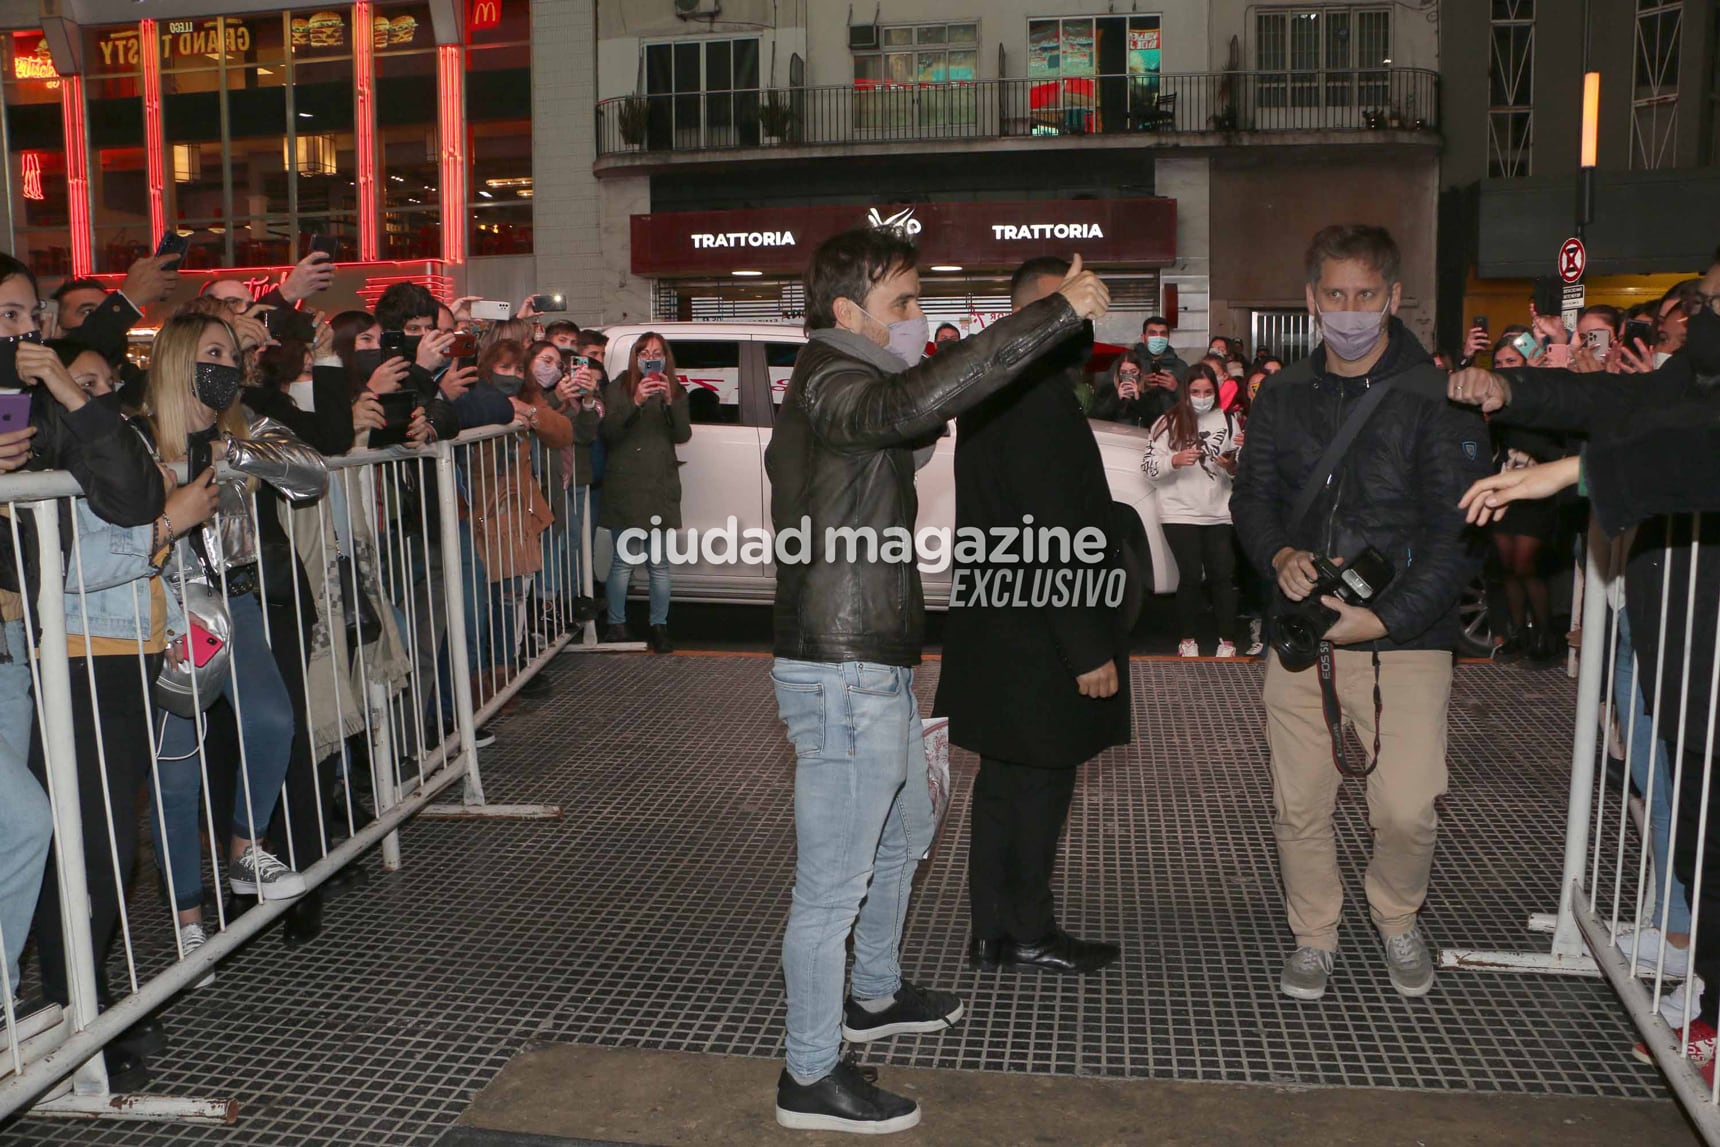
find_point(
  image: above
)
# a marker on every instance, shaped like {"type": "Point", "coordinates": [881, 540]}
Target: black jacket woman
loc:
{"type": "Point", "coordinates": [645, 418]}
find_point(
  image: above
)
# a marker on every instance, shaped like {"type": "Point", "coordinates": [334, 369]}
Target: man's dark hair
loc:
{"type": "Point", "coordinates": [1688, 289]}
{"type": "Point", "coordinates": [70, 285]}
{"type": "Point", "coordinates": [1371, 246]}
{"type": "Point", "coordinates": [849, 265]}
{"type": "Point", "coordinates": [592, 339]}
{"type": "Point", "coordinates": [561, 327]}
{"type": "Point", "coordinates": [402, 303]}
{"type": "Point", "coordinates": [1611, 315]}
{"type": "Point", "coordinates": [10, 265]}
{"type": "Point", "coordinates": [1035, 268]}
{"type": "Point", "coordinates": [942, 327]}
{"type": "Point", "coordinates": [1156, 321]}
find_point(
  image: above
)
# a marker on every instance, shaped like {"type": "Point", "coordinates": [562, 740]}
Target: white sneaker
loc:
{"type": "Point", "coordinates": [1226, 649]}
{"type": "Point", "coordinates": [1648, 951]}
{"type": "Point", "coordinates": [191, 938]}
{"type": "Point", "coordinates": [1189, 648]}
{"type": "Point", "coordinates": [260, 873]}
{"type": "Point", "coordinates": [1672, 1003]}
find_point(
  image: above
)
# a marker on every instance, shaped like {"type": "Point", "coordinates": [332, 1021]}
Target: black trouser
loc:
{"type": "Point", "coordinates": [125, 739]}
{"type": "Point", "coordinates": [1706, 943]}
{"type": "Point", "coordinates": [1018, 815]}
{"type": "Point", "coordinates": [1208, 551]}
{"type": "Point", "coordinates": [310, 821]}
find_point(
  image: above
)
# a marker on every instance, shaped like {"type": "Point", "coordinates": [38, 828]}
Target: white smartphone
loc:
{"type": "Point", "coordinates": [493, 310]}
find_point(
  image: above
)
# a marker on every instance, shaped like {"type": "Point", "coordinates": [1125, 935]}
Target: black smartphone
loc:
{"type": "Point", "coordinates": [397, 408]}
{"type": "Point", "coordinates": [196, 459]}
{"type": "Point", "coordinates": [1638, 329]}
{"type": "Point", "coordinates": [1549, 297]}
{"type": "Point", "coordinates": [1479, 321]}
{"type": "Point", "coordinates": [545, 304]}
{"type": "Point", "coordinates": [393, 345]}
{"type": "Point", "coordinates": [327, 244]}
{"type": "Point", "coordinates": [175, 244]}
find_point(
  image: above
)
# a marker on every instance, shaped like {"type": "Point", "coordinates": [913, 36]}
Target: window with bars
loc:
{"type": "Point", "coordinates": [1511, 86]}
{"type": "Point", "coordinates": [1654, 94]}
{"type": "Point", "coordinates": [1331, 56]}
{"type": "Point", "coordinates": [918, 78]}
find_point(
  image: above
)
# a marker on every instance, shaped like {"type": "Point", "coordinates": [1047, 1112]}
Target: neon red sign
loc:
{"type": "Point", "coordinates": [32, 167]}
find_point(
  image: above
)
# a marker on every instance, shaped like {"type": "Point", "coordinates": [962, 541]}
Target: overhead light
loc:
{"type": "Point", "coordinates": [304, 115]}
{"type": "Point", "coordinates": [486, 194]}
{"type": "Point", "coordinates": [747, 274]}
{"type": "Point", "coordinates": [1387, 60]}
{"type": "Point", "coordinates": [510, 181]}
{"type": "Point", "coordinates": [946, 267]}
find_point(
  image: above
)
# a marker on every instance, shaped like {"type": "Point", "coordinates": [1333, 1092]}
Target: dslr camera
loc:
{"type": "Point", "coordinates": [1297, 633]}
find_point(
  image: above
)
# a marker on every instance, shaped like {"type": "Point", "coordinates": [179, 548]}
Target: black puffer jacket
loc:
{"type": "Point", "coordinates": [1396, 488]}
{"type": "Point", "coordinates": [842, 455]}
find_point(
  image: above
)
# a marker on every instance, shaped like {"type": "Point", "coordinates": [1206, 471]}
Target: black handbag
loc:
{"type": "Point", "coordinates": [363, 625]}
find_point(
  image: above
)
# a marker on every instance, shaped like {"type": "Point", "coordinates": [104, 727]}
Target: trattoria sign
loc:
{"type": "Point", "coordinates": [1000, 235]}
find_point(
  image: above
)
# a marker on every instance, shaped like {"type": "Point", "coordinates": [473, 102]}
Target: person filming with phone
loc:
{"type": "Point", "coordinates": [1347, 497]}
{"type": "Point", "coordinates": [645, 417]}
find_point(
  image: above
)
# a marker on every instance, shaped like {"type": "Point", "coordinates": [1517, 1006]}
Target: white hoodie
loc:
{"type": "Point", "coordinates": [1197, 495]}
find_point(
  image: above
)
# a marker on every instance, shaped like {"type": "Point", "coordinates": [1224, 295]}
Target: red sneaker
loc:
{"type": "Point", "coordinates": [1700, 1049]}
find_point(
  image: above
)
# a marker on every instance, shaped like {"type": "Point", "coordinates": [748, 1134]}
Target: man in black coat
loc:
{"type": "Point", "coordinates": [1033, 689]}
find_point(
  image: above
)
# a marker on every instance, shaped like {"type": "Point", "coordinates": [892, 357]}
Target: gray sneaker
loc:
{"type": "Point", "coordinates": [1305, 973]}
{"type": "Point", "coordinates": [1410, 963]}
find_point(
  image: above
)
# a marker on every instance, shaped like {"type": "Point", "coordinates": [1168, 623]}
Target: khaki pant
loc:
{"type": "Point", "coordinates": [1415, 687]}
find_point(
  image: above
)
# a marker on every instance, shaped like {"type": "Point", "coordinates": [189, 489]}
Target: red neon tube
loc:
{"type": "Point", "coordinates": [152, 131]}
{"type": "Point", "coordinates": [77, 174]}
{"type": "Point", "coordinates": [364, 67]}
{"type": "Point", "coordinates": [451, 99]}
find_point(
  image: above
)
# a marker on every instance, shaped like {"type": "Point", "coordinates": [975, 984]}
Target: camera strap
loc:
{"type": "Point", "coordinates": [1334, 712]}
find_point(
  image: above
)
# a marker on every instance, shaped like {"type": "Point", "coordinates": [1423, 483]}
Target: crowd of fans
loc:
{"type": "Point", "coordinates": [204, 613]}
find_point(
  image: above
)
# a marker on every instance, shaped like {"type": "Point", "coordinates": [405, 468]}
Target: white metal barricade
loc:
{"type": "Point", "coordinates": [351, 665]}
{"type": "Point", "coordinates": [1639, 795]}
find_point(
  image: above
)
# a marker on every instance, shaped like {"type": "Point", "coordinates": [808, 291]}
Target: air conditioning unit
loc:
{"type": "Point", "coordinates": [862, 37]}
{"type": "Point", "coordinates": [687, 9]}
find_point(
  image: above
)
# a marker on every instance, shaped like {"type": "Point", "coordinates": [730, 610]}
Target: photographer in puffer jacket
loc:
{"type": "Point", "coordinates": [1387, 496]}
{"type": "Point", "coordinates": [848, 634]}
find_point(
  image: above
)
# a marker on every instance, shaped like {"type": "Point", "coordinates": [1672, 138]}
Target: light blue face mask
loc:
{"type": "Point", "coordinates": [1158, 344]}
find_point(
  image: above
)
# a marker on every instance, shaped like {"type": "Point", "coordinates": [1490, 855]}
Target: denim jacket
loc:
{"type": "Point", "coordinates": [113, 565]}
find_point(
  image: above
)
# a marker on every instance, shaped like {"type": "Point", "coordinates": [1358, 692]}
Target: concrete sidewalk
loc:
{"type": "Point", "coordinates": [577, 1094]}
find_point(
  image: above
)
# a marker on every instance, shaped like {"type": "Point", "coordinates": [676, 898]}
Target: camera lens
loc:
{"type": "Point", "coordinates": [1296, 642]}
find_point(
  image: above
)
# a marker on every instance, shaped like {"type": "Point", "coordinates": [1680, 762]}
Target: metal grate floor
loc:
{"type": "Point", "coordinates": [652, 916]}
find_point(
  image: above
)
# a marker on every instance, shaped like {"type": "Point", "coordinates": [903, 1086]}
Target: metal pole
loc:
{"type": "Point", "coordinates": [458, 655]}
{"type": "Point", "coordinates": [59, 745]}
{"type": "Point", "coordinates": [1567, 938]}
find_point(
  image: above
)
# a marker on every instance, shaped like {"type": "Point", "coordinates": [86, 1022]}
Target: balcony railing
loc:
{"type": "Point", "coordinates": [1232, 103]}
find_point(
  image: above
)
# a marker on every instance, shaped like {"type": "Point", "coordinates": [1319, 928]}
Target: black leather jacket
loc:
{"type": "Point", "coordinates": [841, 455]}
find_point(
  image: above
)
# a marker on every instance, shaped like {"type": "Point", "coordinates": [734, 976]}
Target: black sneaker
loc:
{"type": "Point", "coordinates": [844, 1100]}
{"type": "Point", "coordinates": [917, 1011]}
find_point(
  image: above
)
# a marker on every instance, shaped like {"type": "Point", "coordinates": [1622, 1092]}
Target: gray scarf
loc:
{"type": "Point", "coordinates": [854, 346]}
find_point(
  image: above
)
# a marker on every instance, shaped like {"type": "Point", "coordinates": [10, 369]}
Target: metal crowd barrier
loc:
{"type": "Point", "coordinates": [1631, 772]}
{"type": "Point", "coordinates": [447, 643]}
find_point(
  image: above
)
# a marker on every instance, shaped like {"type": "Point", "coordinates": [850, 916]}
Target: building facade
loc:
{"type": "Point", "coordinates": [1513, 83]}
{"type": "Point", "coordinates": [1186, 148]}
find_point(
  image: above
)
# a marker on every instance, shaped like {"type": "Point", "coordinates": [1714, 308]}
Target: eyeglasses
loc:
{"type": "Point", "coordinates": [237, 305]}
{"type": "Point", "coordinates": [1695, 304]}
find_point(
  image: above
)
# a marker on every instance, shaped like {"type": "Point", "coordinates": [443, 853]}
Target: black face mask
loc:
{"type": "Point", "coordinates": [508, 384]}
{"type": "Point", "coordinates": [218, 384]}
{"type": "Point", "coordinates": [111, 400]}
{"type": "Point", "coordinates": [1702, 342]}
{"type": "Point", "coordinates": [365, 362]}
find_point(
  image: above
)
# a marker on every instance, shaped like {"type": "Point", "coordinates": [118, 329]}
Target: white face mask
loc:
{"type": "Point", "coordinates": [1202, 405]}
{"type": "Point", "coordinates": [907, 337]}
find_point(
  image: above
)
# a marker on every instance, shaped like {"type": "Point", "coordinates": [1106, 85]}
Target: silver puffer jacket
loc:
{"type": "Point", "coordinates": [271, 454]}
